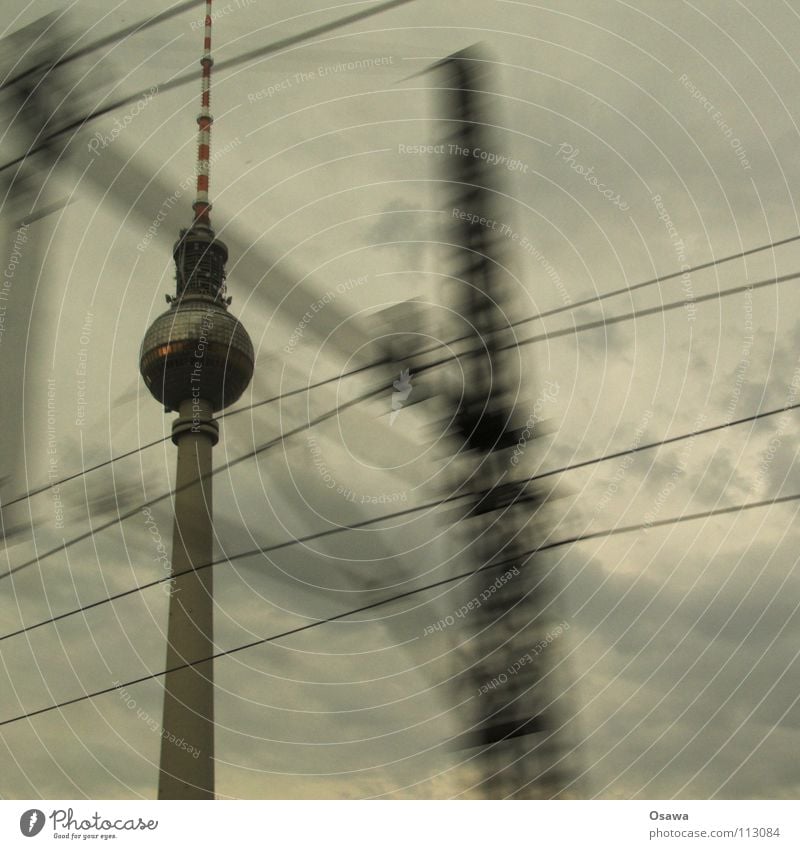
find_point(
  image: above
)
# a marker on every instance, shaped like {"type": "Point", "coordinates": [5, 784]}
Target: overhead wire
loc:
{"type": "Point", "coordinates": [407, 594]}
{"type": "Point", "coordinates": [616, 319]}
{"type": "Point", "coordinates": [542, 337]}
{"type": "Point", "coordinates": [224, 467]}
{"type": "Point", "coordinates": [396, 515]}
{"type": "Point", "coordinates": [101, 465]}
{"type": "Point", "coordinates": [191, 77]}
{"type": "Point", "coordinates": [383, 388]}
{"type": "Point", "coordinates": [625, 290]}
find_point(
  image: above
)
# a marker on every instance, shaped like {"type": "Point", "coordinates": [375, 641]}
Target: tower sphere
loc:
{"type": "Point", "coordinates": [196, 349]}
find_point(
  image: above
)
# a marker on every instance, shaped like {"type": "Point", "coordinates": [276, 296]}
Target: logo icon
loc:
{"type": "Point", "coordinates": [402, 389]}
{"type": "Point", "coordinates": [31, 822]}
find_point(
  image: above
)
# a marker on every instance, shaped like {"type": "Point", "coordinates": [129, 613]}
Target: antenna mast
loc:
{"type": "Point", "coordinates": [202, 205]}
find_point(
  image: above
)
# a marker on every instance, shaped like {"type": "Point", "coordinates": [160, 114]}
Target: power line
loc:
{"type": "Point", "coordinates": [577, 328]}
{"type": "Point", "coordinates": [400, 596]}
{"type": "Point", "coordinates": [45, 487]}
{"type": "Point", "coordinates": [616, 319]}
{"type": "Point", "coordinates": [623, 291]}
{"type": "Point", "coordinates": [426, 367]}
{"type": "Point", "coordinates": [668, 441]}
{"type": "Point", "coordinates": [627, 289]}
{"type": "Point", "coordinates": [191, 77]}
{"type": "Point", "coordinates": [225, 466]}
{"type": "Point", "coordinates": [711, 296]}
{"type": "Point", "coordinates": [542, 337]}
{"type": "Point", "coordinates": [409, 511]}
{"type": "Point", "coordinates": [228, 559]}
{"type": "Point", "coordinates": [592, 325]}
{"type": "Point", "coordinates": [302, 389]}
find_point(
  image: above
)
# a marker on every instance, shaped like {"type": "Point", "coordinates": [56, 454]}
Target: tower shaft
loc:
{"type": "Point", "coordinates": [187, 742]}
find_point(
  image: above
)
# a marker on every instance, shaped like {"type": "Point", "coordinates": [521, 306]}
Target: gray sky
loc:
{"type": "Point", "coordinates": [681, 660]}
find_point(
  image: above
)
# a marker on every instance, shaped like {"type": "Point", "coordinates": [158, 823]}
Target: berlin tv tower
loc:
{"type": "Point", "coordinates": [196, 359]}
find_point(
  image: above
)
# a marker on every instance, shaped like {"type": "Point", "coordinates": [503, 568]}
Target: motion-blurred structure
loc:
{"type": "Point", "coordinates": [511, 659]}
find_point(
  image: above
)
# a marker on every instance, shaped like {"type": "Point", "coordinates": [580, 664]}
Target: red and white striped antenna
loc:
{"type": "Point", "coordinates": [202, 205]}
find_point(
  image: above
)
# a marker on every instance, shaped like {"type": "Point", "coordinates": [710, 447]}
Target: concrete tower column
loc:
{"type": "Point", "coordinates": [187, 743]}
